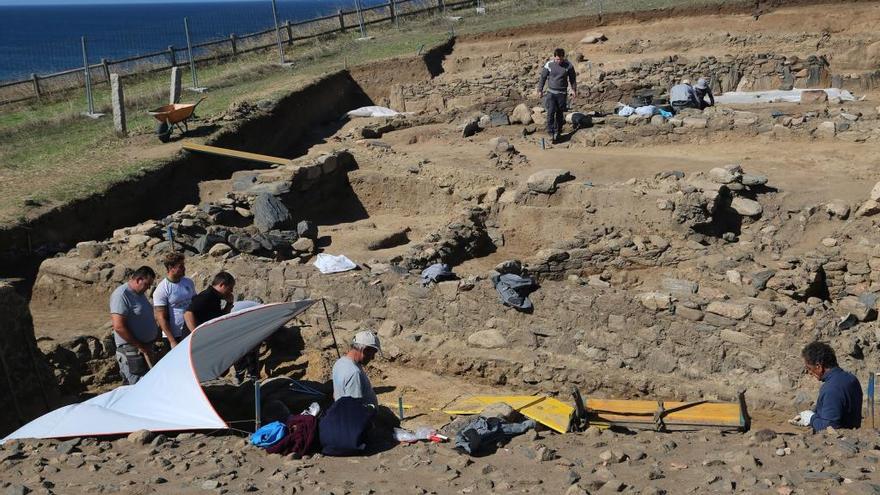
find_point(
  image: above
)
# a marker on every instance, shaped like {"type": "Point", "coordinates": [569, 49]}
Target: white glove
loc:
{"type": "Point", "coordinates": [802, 419]}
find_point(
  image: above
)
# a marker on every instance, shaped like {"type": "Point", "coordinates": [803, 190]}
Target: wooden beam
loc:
{"type": "Point", "coordinates": [241, 155]}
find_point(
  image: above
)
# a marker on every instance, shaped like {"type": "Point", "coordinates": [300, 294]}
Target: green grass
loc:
{"type": "Point", "coordinates": [50, 154]}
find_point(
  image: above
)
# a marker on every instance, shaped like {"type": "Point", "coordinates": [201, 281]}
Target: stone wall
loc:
{"type": "Point", "coordinates": [27, 386]}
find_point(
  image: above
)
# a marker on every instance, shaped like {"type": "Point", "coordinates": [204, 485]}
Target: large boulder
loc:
{"type": "Point", "coordinates": [811, 96]}
{"type": "Point", "coordinates": [521, 115]}
{"type": "Point", "coordinates": [545, 181]}
{"type": "Point", "coordinates": [746, 207]}
{"type": "Point", "coordinates": [270, 213]}
{"type": "Point", "coordinates": [487, 339]}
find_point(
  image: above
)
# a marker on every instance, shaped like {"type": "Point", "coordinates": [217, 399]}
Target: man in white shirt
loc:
{"type": "Point", "coordinates": [171, 298]}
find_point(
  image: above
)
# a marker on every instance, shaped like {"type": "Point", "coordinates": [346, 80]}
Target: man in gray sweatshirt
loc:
{"type": "Point", "coordinates": [557, 73]}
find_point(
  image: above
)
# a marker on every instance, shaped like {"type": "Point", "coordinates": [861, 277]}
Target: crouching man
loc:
{"type": "Point", "coordinates": [839, 404]}
{"type": "Point", "coordinates": [355, 420]}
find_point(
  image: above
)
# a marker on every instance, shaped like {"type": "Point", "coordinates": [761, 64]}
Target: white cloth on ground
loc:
{"type": "Point", "coordinates": [328, 263]}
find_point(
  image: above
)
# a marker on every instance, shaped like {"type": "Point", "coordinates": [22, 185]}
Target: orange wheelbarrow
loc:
{"type": "Point", "coordinates": [171, 116]}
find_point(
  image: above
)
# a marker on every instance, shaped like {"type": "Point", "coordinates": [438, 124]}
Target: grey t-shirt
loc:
{"type": "Point", "coordinates": [350, 380]}
{"type": "Point", "coordinates": [138, 313]}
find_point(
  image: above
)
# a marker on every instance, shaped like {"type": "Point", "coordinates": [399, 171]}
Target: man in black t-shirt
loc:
{"type": "Point", "coordinates": [207, 305]}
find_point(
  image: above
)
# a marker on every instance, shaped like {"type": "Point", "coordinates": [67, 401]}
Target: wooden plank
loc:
{"type": "Point", "coordinates": [721, 414]}
{"type": "Point", "coordinates": [475, 404]}
{"type": "Point", "coordinates": [551, 413]}
{"type": "Point", "coordinates": [241, 155]}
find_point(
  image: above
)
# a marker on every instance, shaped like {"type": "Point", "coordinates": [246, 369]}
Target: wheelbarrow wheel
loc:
{"type": "Point", "coordinates": [163, 130]}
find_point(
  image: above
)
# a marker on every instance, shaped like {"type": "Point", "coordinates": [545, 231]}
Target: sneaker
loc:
{"type": "Point", "coordinates": [554, 138]}
{"type": "Point", "coordinates": [557, 138]}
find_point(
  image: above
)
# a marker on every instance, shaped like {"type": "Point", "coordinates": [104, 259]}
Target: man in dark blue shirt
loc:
{"type": "Point", "coordinates": [839, 404]}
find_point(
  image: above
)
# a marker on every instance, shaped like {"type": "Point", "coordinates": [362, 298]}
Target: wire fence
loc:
{"type": "Point", "coordinates": [180, 52]}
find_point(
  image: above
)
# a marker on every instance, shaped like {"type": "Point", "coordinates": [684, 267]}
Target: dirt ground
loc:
{"type": "Point", "coordinates": [804, 172]}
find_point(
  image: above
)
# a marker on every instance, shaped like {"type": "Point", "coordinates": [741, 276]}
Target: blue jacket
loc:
{"type": "Point", "coordinates": [840, 401]}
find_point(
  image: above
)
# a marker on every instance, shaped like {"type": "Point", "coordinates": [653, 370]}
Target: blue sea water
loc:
{"type": "Point", "coordinates": [45, 39]}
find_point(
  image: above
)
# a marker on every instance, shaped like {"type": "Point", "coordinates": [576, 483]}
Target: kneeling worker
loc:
{"type": "Point", "coordinates": [683, 96]}
{"type": "Point", "coordinates": [349, 377]}
{"type": "Point", "coordinates": [839, 404]}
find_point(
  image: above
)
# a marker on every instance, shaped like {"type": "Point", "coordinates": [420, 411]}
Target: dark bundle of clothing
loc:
{"type": "Point", "coordinates": [344, 427]}
{"type": "Point", "coordinates": [482, 433]}
{"type": "Point", "coordinates": [301, 437]}
{"type": "Point", "coordinates": [514, 290]}
{"type": "Point", "coordinates": [437, 272]}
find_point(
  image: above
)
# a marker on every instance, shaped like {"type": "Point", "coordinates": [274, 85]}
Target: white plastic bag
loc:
{"type": "Point", "coordinates": [372, 111]}
{"type": "Point", "coordinates": [646, 110]}
{"type": "Point", "coordinates": [327, 263]}
{"type": "Point", "coordinates": [625, 110]}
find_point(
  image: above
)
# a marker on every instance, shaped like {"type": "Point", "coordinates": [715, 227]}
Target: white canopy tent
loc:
{"type": "Point", "coordinates": [170, 397]}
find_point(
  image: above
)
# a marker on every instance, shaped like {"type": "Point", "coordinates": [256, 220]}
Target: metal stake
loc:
{"type": "Point", "coordinates": [357, 6]}
{"type": "Point", "coordinates": [192, 62]}
{"type": "Point", "coordinates": [400, 406]}
{"type": "Point", "coordinates": [257, 412]}
{"type": "Point", "coordinates": [171, 237]}
{"type": "Point", "coordinates": [330, 324]}
{"type": "Point", "coordinates": [278, 34]}
{"type": "Point", "coordinates": [90, 102]}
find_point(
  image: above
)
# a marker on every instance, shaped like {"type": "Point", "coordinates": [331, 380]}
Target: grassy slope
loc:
{"type": "Point", "coordinates": [50, 155]}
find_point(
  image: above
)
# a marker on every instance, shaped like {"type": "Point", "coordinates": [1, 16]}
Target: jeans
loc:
{"type": "Point", "coordinates": [555, 104]}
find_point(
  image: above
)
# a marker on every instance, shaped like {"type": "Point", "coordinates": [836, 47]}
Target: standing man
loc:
{"type": "Point", "coordinates": [557, 73]}
{"type": "Point", "coordinates": [208, 304]}
{"type": "Point", "coordinates": [702, 90]}
{"type": "Point", "coordinates": [839, 404]}
{"type": "Point", "coordinates": [134, 329]}
{"type": "Point", "coordinates": [171, 298]}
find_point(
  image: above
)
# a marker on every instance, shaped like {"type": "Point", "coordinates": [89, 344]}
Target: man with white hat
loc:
{"type": "Point", "coordinates": [349, 377]}
{"type": "Point", "coordinates": [702, 90]}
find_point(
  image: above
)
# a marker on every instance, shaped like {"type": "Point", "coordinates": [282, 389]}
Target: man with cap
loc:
{"type": "Point", "coordinates": [683, 96]}
{"type": "Point", "coordinates": [702, 90]}
{"type": "Point", "coordinates": [349, 377]}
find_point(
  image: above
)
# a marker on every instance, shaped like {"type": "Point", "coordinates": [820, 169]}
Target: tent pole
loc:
{"type": "Point", "coordinates": [330, 324]}
{"type": "Point", "coordinates": [256, 405]}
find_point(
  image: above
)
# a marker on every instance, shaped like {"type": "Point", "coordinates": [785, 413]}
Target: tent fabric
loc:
{"type": "Point", "coordinates": [169, 397]}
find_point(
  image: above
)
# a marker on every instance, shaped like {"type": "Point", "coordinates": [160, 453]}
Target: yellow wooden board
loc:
{"type": "Point", "coordinates": [476, 403]}
{"type": "Point", "coordinates": [551, 413]}
{"type": "Point", "coordinates": [642, 411]}
{"type": "Point", "coordinates": [243, 155]}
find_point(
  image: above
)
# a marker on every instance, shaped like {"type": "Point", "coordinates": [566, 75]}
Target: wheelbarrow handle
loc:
{"type": "Point", "coordinates": [200, 100]}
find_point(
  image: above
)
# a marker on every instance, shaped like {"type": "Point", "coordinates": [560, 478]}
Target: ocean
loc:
{"type": "Point", "coordinates": [45, 39]}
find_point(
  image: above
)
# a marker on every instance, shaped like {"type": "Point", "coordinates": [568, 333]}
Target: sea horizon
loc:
{"type": "Point", "coordinates": [46, 38]}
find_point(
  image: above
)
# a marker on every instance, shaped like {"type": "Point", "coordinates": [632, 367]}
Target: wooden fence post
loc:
{"type": "Point", "coordinates": [234, 42]}
{"type": "Point", "coordinates": [393, 11]}
{"type": "Point", "coordinates": [441, 6]}
{"type": "Point", "coordinates": [289, 32]}
{"type": "Point", "coordinates": [172, 58]}
{"type": "Point", "coordinates": [106, 66]}
{"type": "Point", "coordinates": [341, 21]}
{"type": "Point", "coordinates": [36, 79]}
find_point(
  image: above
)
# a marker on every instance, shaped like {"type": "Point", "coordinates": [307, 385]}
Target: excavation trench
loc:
{"type": "Point", "coordinates": [294, 123]}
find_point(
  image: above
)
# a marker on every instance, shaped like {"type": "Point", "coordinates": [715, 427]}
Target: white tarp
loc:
{"type": "Point", "coordinates": [328, 263]}
{"type": "Point", "coordinates": [169, 397]}
{"type": "Point", "coordinates": [373, 111]}
{"type": "Point", "coordinates": [777, 96]}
